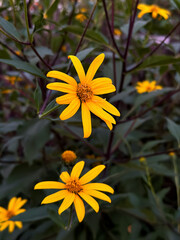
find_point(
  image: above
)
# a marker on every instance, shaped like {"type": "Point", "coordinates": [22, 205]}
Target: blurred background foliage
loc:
{"type": "Point", "coordinates": [146, 202]}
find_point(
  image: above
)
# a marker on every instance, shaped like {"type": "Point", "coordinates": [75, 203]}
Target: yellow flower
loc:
{"type": "Point", "coordinates": [154, 9]}
{"type": "Point", "coordinates": [13, 79]}
{"type": "Point", "coordinates": [172, 154]}
{"type": "Point", "coordinates": [64, 48]}
{"type": "Point", "coordinates": [68, 156]}
{"type": "Point", "coordinates": [117, 32]}
{"type": "Point", "coordinates": [147, 86]}
{"type": "Point", "coordinates": [83, 10]}
{"type": "Point", "coordinates": [142, 159]}
{"type": "Point", "coordinates": [75, 188]}
{"type": "Point", "coordinates": [84, 94]}
{"type": "Point", "coordinates": [14, 208]}
{"type": "Point", "coordinates": [7, 91]}
{"type": "Point", "coordinates": [81, 17]}
{"type": "Point", "coordinates": [18, 52]}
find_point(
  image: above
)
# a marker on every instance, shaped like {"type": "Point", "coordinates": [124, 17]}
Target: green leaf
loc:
{"type": "Point", "coordinates": [137, 26]}
{"type": "Point", "coordinates": [50, 108]}
{"type": "Point", "coordinates": [53, 214]}
{"type": "Point", "coordinates": [9, 126]}
{"type": "Point", "coordinates": [175, 3]}
{"type": "Point", "coordinates": [84, 53]}
{"type": "Point", "coordinates": [9, 28]}
{"type": "Point", "coordinates": [52, 8]}
{"type": "Point", "coordinates": [122, 95]}
{"type": "Point", "coordinates": [174, 129]}
{"type": "Point", "coordinates": [24, 66]}
{"type": "Point", "coordinates": [38, 96]}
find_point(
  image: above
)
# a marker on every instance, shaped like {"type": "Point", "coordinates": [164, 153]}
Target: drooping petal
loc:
{"type": "Point", "coordinates": [68, 200]}
{"type": "Point", "coordinates": [91, 201]}
{"type": "Point", "coordinates": [98, 194]}
{"type": "Point", "coordinates": [62, 76]}
{"type": "Point", "coordinates": [154, 14]}
{"type": "Point", "coordinates": [98, 111]}
{"type": "Point", "coordinates": [65, 177]}
{"type": "Point", "coordinates": [55, 197]}
{"type": "Point", "coordinates": [4, 225]}
{"type": "Point", "coordinates": [79, 68]}
{"type": "Point", "coordinates": [19, 203]}
{"type": "Point", "coordinates": [103, 90]}
{"type": "Point", "coordinates": [99, 186]}
{"type": "Point", "coordinates": [49, 185]}
{"type": "Point", "coordinates": [90, 175]}
{"type": "Point", "coordinates": [86, 120]}
{"type": "Point", "coordinates": [109, 124]}
{"type": "Point", "coordinates": [62, 87]}
{"type": "Point", "coordinates": [18, 224]}
{"type": "Point", "coordinates": [79, 207]}
{"type": "Point", "coordinates": [12, 203]}
{"type": "Point", "coordinates": [77, 169]}
{"type": "Point", "coordinates": [66, 99]}
{"type": "Point", "coordinates": [94, 67]}
{"type": "Point", "coordinates": [71, 109]}
{"type": "Point", "coordinates": [164, 13]}
{"type": "Point", "coordinates": [100, 82]}
{"type": "Point", "coordinates": [106, 105]}
{"type": "Point", "coordinates": [11, 226]}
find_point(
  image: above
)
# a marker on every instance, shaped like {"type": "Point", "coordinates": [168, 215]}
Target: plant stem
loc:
{"type": "Point", "coordinates": [14, 12]}
{"type": "Point", "coordinates": [70, 218]}
{"type": "Point", "coordinates": [113, 53]}
{"type": "Point", "coordinates": [27, 22]}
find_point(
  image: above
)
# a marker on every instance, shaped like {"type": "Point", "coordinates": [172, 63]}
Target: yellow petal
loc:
{"type": "Point", "coordinates": [98, 194]}
{"type": "Point", "coordinates": [99, 186]}
{"type": "Point", "coordinates": [86, 120]}
{"type": "Point", "coordinates": [55, 197]}
{"type": "Point", "coordinates": [12, 203]}
{"type": "Point", "coordinates": [164, 13]}
{"type": "Point", "coordinates": [77, 169]}
{"type": "Point", "coordinates": [62, 87]}
{"type": "Point", "coordinates": [20, 211]}
{"type": "Point", "coordinates": [18, 224]}
{"type": "Point", "coordinates": [91, 174]}
{"type": "Point", "coordinates": [65, 177]}
{"type": "Point", "coordinates": [65, 99]}
{"type": "Point", "coordinates": [4, 225]}
{"type": "Point", "coordinates": [19, 203]}
{"type": "Point", "coordinates": [79, 207]}
{"type": "Point", "coordinates": [2, 210]}
{"type": "Point", "coordinates": [91, 201]}
{"type": "Point", "coordinates": [98, 111]}
{"type": "Point", "coordinates": [68, 200]}
{"type": "Point", "coordinates": [104, 89]}
{"type": "Point", "coordinates": [11, 226]}
{"type": "Point", "coordinates": [154, 14]}
{"type": "Point", "coordinates": [106, 105]}
{"type": "Point", "coordinates": [109, 124]}
{"type": "Point", "coordinates": [62, 76]}
{"type": "Point", "coordinates": [71, 109]}
{"type": "Point", "coordinates": [49, 185]}
{"type": "Point", "coordinates": [100, 82]}
{"type": "Point", "coordinates": [94, 67]}
{"type": "Point", "coordinates": [79, 68]}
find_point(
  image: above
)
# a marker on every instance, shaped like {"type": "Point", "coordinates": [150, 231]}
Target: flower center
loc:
{"type": "Point", "coordinates": [10, 214]}
{"type": "Point", "coordinates": [73, 186]}
{"type": "Point", "coordinates": [84, 92]}
{"type": "Point", "coordinates": [155, 9]}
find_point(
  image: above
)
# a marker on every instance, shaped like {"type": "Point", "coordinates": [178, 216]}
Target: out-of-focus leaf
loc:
{"type": "Point", "coordinates": [84, 53]}
{"type": "Point", "coordinates": [151, 144]}
{"type": "Point", "coordinates": [24, 66]}
{"type": "Point", "coordinates": [137, 26]}
{"type": "Point", "coordinates": [50, 108]}
{"type": "Point", "coordinates": [52, 8]}
{"type": "Point", "coordinates": [55, 217]}
{"type": "Point", "coordinates": [174, 129]}
{"type": "Point", "coordinates": [10, 126]}
{"type": "Point", "coordinates": [9, 28]}
{"type": "Point", "coordinates": [122, 95]}
{"type": "Point", "coordinates": [12, 144]}
{"type": "Point", "coordinates": [175, 3]}
{"type": "Point", "coordinates": [38, 96]}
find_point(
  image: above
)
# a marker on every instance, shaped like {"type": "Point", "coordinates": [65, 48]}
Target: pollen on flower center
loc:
{"type": "Point", "coordinates": [73, 186]}
{"type": "Point", "coordinates": [10, 214]}
{"type": "Point", "coordinates": [84, 92]}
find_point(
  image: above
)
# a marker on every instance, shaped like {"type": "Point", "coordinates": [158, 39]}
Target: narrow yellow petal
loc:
{"type": "Point", "coordinates": [94, 67]}
{"type": "Point", "coordinates": [55, 197]}
{"type": "Point", "coordinates": [11, 226]}
{"type": "Point", "coordinates": [106, 105]}
{"type": "Point", "coordinates": [18, 224]}
{"type": "Point", "coordinates": [62, 87]}
{"type": "Point", "coordinates": [91, 201]}
{"type": "Point", "coordinates": [2, 210]}
{"type": "Point", "coordinates": [77, 169]}
{"type": "Point", "coordinates": [154, 14]}
{"type": "Point", "coordinates": [98, 111]}
{"type": "Point", "coordinates": [79, 68]}
{"type": "Point", "coordinates": [99, 186]}
{"type": "Point", "coordinates": [20, 203]}
{"type": "Point", "coordinates": [4, 225]}
{"type": "Point", "coordinates": [79, 207]}
{"type": "Point", "coordinates": [104, 89]}
{"type": "Point", "coordinates": [100, 82]}
{"type": "Point", "coordinates": [109, 124]}
{"type": "Point", "coordinates": [86, 120]}
{"type": "Point", "coordinates": [91, 174]}
{"type": "Point", "coordinates": [65, 177]}
{"type": "Point", "coordinates": [65, 99]}
{"type": "Point", "coordinates": [62, 76]}
{"type": "Point", "coordinates": [20, 211]}
{"type": "Point", "coordinates": [11, 203]}
{"type": "Point", "coordinates": [68, 200]}
{"type": "Point", "coordinates": [49, 185]}
{"type": "Point", "coordinates": [71, 109]}
{"type": "Point", "coordinates": [98, 194]}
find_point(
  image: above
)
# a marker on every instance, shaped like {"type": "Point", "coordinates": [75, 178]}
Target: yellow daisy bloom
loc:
{"type": "Point", "coordinates": [154, 9]}
{"type": "Point", "coordinates": [147, 86]}
{"type": "Point", "coordinates": [74, 188]}
{"type": "Point", "coordinates": [81, 17]}
{"type": "Point", "coordinates": [13, 79]}
{"type": "Point", "coordinates": [68, 156]}
{"type": "Point", "coordinates": [117, 32]}
{"type": "Point", "coordinates": [84, 94]}
{"type": "Point", "coordinates": [14, 208]}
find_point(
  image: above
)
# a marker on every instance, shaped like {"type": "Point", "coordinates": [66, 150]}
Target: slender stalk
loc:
{"type": "Point", "coordinates": [14, 12]}
{"type": "Point", "coordinates": [27, 22]}
{"type": "Point", "coordinates": [42, 60]}
{"type": "Point", "coordinates": [11, 50]}
{"type": "Point", "coordinates": [14, 39]}
{"type": "Point", "coordinates": [113, 53]}
{"type": "Point", "coordinates": [70, 218]}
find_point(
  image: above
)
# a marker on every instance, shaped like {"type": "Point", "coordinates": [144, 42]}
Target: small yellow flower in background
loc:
{"type": "Point", "coordinates": [75, 188]}
{"type": "Point", "coordinates": [83, 10]}
{"type": "Point", "coordinates": [68, 156]}
{"type": "Point", "coordinates": [18, 52]}
{"type": "Point", "coordinates": [147, 86]}
{"type": "Point", "coordinates": [84, 94]}
{"type": "Point", "coordinates": [14, 209]}
{"type": "Point", "coordinates": [64, 48]}
{"type": "Point", "coordinates": [172, 154]}
{"type": "Point", "coordinates": [142, 159]}
{"type": "Point", "coordinates": [81, 17]}
{"type": "Point", "coordinates": [7, 91]}
{"type": "Point", "coordinates": [13, 79]}
{"type": "Point", "coordinates": [154, 9]}
{"type": "Point", "coordinates": [117, 32]}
